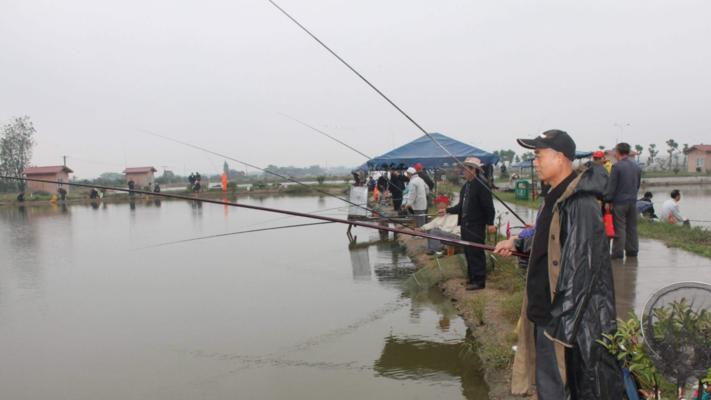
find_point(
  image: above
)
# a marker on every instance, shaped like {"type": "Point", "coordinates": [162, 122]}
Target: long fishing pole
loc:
{"type": "Point", "coordinates": [392, 103]}
{"type": "Point", "coordinates": [335, 139]}
{"type": "Point", "coordinates": [206, 150]}
{"type": "Point", "coordinates": [233, 234]}
{"type": "Point", "coordinates": [326, 134]}
{"type": "Point", "coordinates": [318, 211]}
{"type": "Point", "coordinates": [456, 242]}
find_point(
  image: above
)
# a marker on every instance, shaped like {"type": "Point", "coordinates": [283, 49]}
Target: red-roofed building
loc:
{"type": "Point", "coordinates": [141, 176]}
{"type": "Point", "coordinates": [58, 173]}
{"type": "Point", "coordinates": [699, 158]}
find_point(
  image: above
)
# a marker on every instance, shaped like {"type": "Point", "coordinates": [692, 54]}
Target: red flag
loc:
{"type": "Point", "coordinates": [224, 182]}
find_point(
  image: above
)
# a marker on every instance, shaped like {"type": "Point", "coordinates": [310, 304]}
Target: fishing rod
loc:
{"type": "Point", "coordinates": [392, 103]}
{"type": "Point", "coordinates": [206, 150]}
{"type": "Point", "coordinates": [456, 242]}
{"type": "Point", "coordinates": [318, 211]}
{"type": "Point", "coordinates": [335, 139]}
{"type": "Point", "coordinates": [326, 134]}
{"type": "Point", "coordinates": [232, 234]}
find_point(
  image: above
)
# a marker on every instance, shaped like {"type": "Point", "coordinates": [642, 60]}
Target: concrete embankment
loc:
{"type": "Point", "coordinates": [676, 180]}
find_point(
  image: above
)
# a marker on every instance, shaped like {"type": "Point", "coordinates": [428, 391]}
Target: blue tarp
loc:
{"type": "Point", "coordinates": [529, 163]}
{"type": "Point", "coordinates": [429, 154]}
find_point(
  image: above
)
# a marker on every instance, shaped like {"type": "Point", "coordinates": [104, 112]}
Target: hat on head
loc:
{"type": "Point", "coordinates": [554, 139]}
{"type": "Point", "coordinates": [441, 199]}
{"type": "Point", "coordinates": [599, 154]}
{"type": "Point", "coordinates": [418, 167]}
{"type": "Point", "coordinates": [411, 171]}
{"type": "Point", "coordinates": [473, 162]}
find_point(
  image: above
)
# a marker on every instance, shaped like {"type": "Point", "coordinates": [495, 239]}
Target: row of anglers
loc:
{"type": "Point", "coordinates": [569, 300]}
{"type": "Point", "coordinates": [94, 194]}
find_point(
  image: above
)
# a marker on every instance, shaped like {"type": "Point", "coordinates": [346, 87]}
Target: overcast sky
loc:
{"type": "Point", "coordinates": [92, 75]}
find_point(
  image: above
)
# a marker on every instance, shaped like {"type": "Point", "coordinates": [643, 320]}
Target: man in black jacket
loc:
{"type": "Point", "coordinates": [397, 186]}
{"type": "Point", "coordinates": [570, 301]}
{"type": "Point", "coordinates": [476, 215]}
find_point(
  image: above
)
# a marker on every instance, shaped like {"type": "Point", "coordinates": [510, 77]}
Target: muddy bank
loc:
{"type": "Point", "coordinates": [490, 313]}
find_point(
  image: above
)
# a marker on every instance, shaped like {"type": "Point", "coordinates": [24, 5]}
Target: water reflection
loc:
{"type": "Point", "coordinates": [418, 358]}
{"type": "Point", "coordinates": [414, 359]}
{"type": "Point", "coordinates": [625, 278]}
{"type": "Point", "coordinates": [360, 262]}
{"type": "Point", "coordinates": [258, 313]}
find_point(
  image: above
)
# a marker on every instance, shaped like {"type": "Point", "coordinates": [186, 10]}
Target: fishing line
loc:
{"type": "Point", "coordinates": [231, 234]}
{"type": "Point", "coordinates": [310, 187]}
{"type": "Point", "coordinates": [392, 103]}
{"type": "Point", "coordinates": [410, 232]}
{"type": "Point", "coordinates": [390, 184]}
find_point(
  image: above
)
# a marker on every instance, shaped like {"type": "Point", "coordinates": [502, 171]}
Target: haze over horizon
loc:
{"type": "Point", "coordinates": [219, 73]}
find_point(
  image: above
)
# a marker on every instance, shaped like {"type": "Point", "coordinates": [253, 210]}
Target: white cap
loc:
{"type": "Point", "coordinates": [411, 171]}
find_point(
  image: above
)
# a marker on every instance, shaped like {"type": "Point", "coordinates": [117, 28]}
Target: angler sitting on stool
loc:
{"type": "Point", "coordinates": [445, 226]}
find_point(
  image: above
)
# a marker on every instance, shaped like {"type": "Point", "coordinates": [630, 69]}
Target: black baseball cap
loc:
{"type": "Point", "coordinates": [554, 139]}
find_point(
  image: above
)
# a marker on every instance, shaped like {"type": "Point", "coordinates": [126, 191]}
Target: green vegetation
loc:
{"type": "Point", "coordinates": [498, 355]}
{"type": "Point", "coordinates": [679, 326]}
{"type": "Point", "coordinates": [477, 305]}
{"type": "Point", "coordinates": [627, 344]}
{"type": "Point", "coordinates": [696, 240]}
{"type": "Point", "coordinates": [510, 197]}
{"type": "Point", "coordinates": [511, 306]}
{"type": "Point", "coordinates": [301, 189]}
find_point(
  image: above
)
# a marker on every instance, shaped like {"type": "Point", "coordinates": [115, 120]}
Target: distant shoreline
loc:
{"type": "Point", "coordinates": [119, 198]}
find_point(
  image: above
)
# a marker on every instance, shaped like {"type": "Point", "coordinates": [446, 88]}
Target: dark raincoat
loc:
{"type": "Point", "coordinates": [583, 298]}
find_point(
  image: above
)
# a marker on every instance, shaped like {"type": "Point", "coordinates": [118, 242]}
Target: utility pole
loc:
{"type": "Point", "coordinates": [65, 160]}
{"type": "Point", "coordinates": [622, 127]}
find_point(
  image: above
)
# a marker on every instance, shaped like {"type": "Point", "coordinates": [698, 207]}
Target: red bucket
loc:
{"type": "Point", "coordinates": [609, 225]}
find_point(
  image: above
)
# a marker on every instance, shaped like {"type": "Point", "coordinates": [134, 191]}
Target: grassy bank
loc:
{"type": "Point", "coordinates": [510, 197]}
{"type": "Point", "coordinates": [695, 240]}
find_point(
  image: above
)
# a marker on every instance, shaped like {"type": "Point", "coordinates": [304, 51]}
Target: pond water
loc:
{"type": "Point", "coordinates": [695, 202]}
{"type": "Point", "coordinates": [88, 312]}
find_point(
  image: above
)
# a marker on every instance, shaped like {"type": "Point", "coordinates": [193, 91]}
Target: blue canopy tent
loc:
{"type": "Point", "coordinates": [424, 151]}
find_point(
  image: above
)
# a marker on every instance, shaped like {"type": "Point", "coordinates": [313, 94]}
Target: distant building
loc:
{"type": "Point", "coordinates": [142, 176]}
{"type": "Point", "coordinates": [699, 158]}
{"type": "Point", "coordinates": [59, 173]}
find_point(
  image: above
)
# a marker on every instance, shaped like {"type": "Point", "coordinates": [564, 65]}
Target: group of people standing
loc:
{"type": "Point", "coordinates": [569, 294]}
{"type": "Point", "coordinates": [469, 219]}
{"type": "Point", "coordinates": [195, 182]}
{"type": "Point", "coordinates": [409, 191]}
{"type": "Point", "coordinates": [620, 199]}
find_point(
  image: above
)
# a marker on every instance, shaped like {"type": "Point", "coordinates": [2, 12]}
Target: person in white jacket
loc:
{"type": "Point", "coordinates": [417, 197]}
